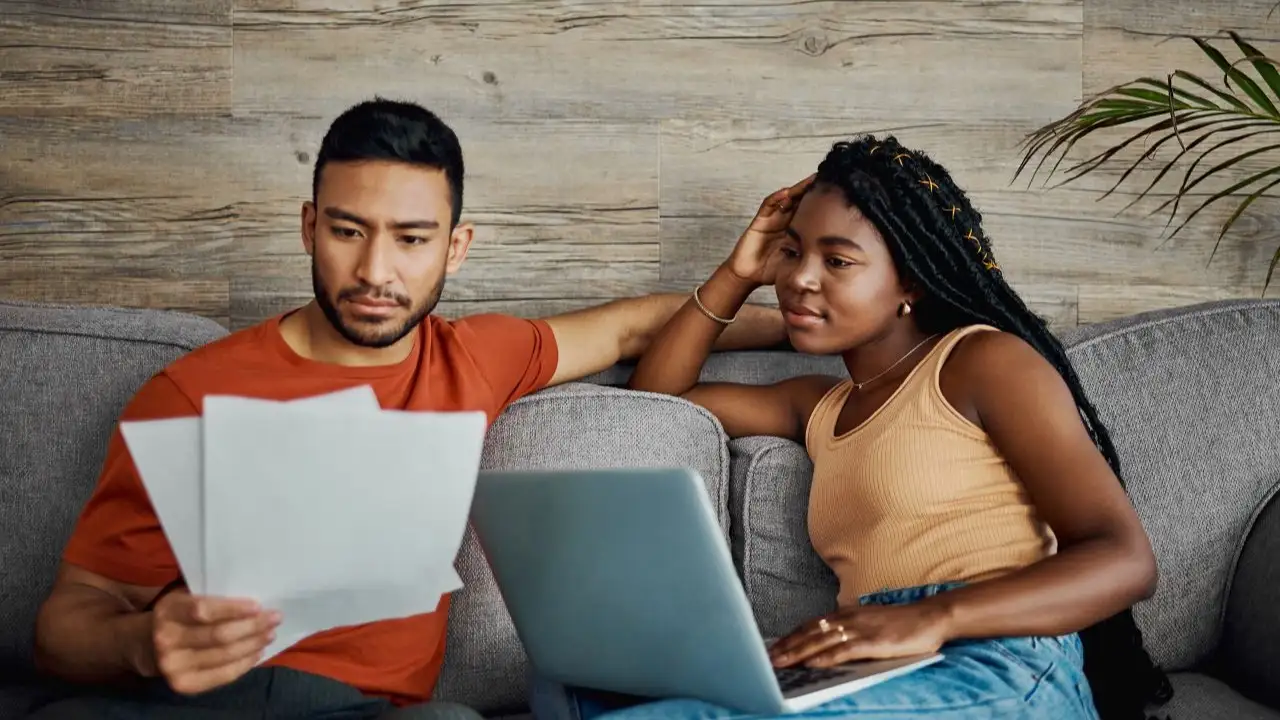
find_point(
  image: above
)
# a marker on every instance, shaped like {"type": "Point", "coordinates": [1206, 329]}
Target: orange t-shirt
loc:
{"type": "Point", "coordinates": [484, 362]}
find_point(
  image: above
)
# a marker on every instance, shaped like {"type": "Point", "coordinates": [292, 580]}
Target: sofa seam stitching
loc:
{"type": "Point", "coordinates": [771, 444]}
{"type": "Point", "coordinates": [103, 336]}
{"type": "Point", "coordinates": [1183, 317]}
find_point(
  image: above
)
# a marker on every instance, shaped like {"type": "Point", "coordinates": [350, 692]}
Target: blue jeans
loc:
{"type": "Point", "coordinates": [1035, 678]}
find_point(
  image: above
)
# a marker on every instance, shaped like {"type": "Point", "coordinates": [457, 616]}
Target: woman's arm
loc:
{"type": "Point", "coordinates": [1104, 562]}
{"type": "Point", "coordinates": [673, 361]}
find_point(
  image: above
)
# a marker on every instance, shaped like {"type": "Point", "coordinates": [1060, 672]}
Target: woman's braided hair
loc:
{"type": "Point", "coordinates": [937, 242]}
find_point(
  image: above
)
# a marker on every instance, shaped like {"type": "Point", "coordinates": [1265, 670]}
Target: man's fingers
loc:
{"type": "Point", "coordinates": [197, 682]}
{"type": "Point", "coordinates": [215, 609]}
{"type": "Point", "coordinates": [226, 633]}
{"type": "Point", "coordinates": [181, 667]}
{"type": "Point", "coordinates": [190, 610]}
{"type": "Point", "coordinates": [214, 658]}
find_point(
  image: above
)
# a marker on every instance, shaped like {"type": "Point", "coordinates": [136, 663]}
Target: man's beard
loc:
{"type": "Point", "coordinates": [367, 339]}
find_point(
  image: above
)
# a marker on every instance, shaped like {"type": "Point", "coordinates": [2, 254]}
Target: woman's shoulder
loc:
{"type": "Point", "coordinates": [982, 348]}
{"type": "Point", "coordinates": [987, 361]}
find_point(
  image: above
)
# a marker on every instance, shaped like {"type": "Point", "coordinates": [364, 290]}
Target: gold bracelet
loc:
{"type": "Point", "coordinates": [708, 313]}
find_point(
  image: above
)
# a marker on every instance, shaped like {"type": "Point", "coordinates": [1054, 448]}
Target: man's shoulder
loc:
{"type": "Point", "coordinates": [245, 343]}
{"type": "Point", "coordinates": [490, 331]}
{"type": "Point", "coordinates": [223, 361]}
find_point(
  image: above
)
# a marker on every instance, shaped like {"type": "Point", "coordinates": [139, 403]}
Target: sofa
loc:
{"type": "Point", "coordinates": [1191, 395]}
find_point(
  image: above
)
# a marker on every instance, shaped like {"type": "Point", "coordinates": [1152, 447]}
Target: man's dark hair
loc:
{"type": "Point", "coordinates": [937, 242]}
{"type": "Point", "coordinates": [381, 129]}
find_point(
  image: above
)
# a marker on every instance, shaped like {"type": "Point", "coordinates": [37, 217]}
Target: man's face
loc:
{"type": "Point", "coordinates": [380, 242]}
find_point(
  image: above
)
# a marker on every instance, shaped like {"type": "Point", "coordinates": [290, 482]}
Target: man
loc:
{"type": "Point", "coordinates": [383, 230]}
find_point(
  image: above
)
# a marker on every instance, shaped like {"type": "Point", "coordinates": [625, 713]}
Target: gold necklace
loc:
{"type": "Point", "coordinates": [859, 385]}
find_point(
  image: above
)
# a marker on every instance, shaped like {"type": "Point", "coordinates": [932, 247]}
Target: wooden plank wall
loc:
{"type": "Point", "coordinates": [154, 153]}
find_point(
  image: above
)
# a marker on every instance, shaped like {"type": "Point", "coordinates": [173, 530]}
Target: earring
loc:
{"type": "Point", "coordinates": [904, 309]}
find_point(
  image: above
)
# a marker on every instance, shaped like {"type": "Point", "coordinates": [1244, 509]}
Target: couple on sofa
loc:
{"type": "Point", "coordinates": [964, 492]}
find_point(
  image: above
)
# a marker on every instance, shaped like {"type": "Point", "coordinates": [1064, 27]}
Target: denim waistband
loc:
{"type": "Point", "coordinates": [903, 596]}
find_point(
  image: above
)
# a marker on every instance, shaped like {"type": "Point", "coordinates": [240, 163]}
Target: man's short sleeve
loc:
{"type": "Point", "coordinates": [118, 535]}
{"type": "Point", "coordinates": [516, 355]}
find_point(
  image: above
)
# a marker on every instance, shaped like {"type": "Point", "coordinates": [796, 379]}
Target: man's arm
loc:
{"type": "Point", "coordinates": [595, 338]}
{"type": "Point", "coordinates": [95, 630]}
{"type": "Point", "coordinates": [96, 626]}
{"type": "Point", "coordinates": [92, 629]}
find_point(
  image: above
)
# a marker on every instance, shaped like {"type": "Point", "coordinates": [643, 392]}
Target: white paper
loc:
{"type": "Point", "coordinates": [304, 616]}
{"type": "Point", "coordinates": [328, 509]}
{"type": "Point", "coordinates": [169, 457]}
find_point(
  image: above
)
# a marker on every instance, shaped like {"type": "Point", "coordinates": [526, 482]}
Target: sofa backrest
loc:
{"type": "Point", "coordinates": [68, 372]}
{"type": "Point", "coordinates": [1190, 396]}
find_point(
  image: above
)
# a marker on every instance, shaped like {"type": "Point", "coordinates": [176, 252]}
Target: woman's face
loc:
{"type": "Point", "coordinates": [837, 284]}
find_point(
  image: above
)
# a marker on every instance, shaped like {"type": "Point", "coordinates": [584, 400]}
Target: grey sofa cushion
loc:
{"type": "Point", "coordinates": [1191, 399]}
{"type": "Point", "coordinates": [572, 426]}
{"type": "Point", "coordinates": [754, 367]}
{"type": "Point", "coordinates": [1200, 697]}
{"type": "Point", "coordinates": [67, 374]}
{"type": "Point", "coordinates": [786, 581]}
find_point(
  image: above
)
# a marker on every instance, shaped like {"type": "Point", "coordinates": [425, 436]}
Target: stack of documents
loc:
{"type": "Point", "coordinates": [328, 509]}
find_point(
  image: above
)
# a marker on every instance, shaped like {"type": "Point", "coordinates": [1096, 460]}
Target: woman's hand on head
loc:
{"type": "Point", "coordinates": [868, 632]}
{"type": "Point", "coordinates": [754, 259]}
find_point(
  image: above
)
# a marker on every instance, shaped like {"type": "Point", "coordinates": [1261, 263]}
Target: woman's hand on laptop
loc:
{"type": "Point", "coordinates": [868, 632]}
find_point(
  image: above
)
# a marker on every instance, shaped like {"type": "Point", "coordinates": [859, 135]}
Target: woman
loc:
{"type": "Point", "coordinates": [960, 465]}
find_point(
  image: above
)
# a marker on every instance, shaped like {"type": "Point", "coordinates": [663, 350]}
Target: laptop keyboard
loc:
{"type": "Point", "coordinates": [790, 678]}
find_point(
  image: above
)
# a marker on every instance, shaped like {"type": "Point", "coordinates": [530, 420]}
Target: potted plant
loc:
{"type": "Point", "coordinates": [1193, 119]}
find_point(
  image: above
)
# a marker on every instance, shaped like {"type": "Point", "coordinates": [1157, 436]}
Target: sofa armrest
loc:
{"type": "Point", "coordinates": [1249, 652]}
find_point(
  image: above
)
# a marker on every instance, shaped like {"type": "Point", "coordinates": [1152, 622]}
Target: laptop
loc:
{"type": "Point", "coordinates": [621, 580]}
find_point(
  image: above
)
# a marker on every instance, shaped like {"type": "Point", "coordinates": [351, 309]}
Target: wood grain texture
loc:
{"type": "Point", "coordinates": [574, 182]}
{"type": "Point", "coordinates": [115, 57]}
{"type": "Point", "coordinates": [118, 197]}
{"type": "Point", "coordinates": [1125, 39]}
{"type": "Point", "coordinates": [209, 297]}
{"type": "Point", "coordinates": [715, 175]}
{"type": "Point", "coordinates": [628, 59]}
{"type": "Point", "coordinates": [1099, 303]}
{"type": "Point", "coordinates": [1128, 39]}
{"type": "Point", "coordinates": [155, 154]}
{"type": "Point", "coordinates": [188, 198]}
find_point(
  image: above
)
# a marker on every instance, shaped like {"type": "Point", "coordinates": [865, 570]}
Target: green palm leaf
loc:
{"type": "Point", "coordinates": [1204, 123]}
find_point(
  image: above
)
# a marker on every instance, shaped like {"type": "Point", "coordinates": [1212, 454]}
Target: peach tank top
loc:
{"type": "Point", "coordinates": [916, 494]}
